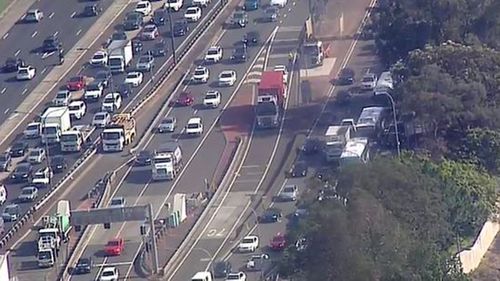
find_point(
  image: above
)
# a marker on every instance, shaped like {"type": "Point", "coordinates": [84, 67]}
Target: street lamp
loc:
{"type": "Point", "coordinates": [172, 40]}
{"type": "Point", "coordinates": [393, 104]}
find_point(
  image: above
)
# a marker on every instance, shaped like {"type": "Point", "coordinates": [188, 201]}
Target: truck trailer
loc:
{"type": "Point", "coordinates": [4, 267]}
{"type": "Point", "coordinates": [75, 139]}
{"type": "Point", "coordinates": [166, 162]}
{"type": "Point", "coordinates": [55, 121]}
{"type": "Point", "coordinates": [270, 100]}
{"type": "Point", "coordinates": [120, 55]}
{"type": "Point", "coordinates": [119, 133]}
{"type": "Point", "coordinates": [336, 138]}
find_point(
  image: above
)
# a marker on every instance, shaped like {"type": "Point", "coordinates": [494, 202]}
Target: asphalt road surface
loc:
{"type": "Point", "coordinates": [24, 260]}
{"type": "Point", "coordinates": [23, 41]}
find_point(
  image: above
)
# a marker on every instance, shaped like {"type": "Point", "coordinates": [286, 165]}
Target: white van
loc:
{"type": "Point", "coordinates": [175, 5]}
{"type": "Point", "coordinates": [202, 276]}
{"type": "Point", "coordinates": [279, 3]}
{"type": "Point", "coordinates": [3, 194]}
{"type": "Point", "coordinates": [384, 83]}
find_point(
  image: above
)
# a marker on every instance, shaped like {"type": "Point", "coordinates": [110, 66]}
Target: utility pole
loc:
{"type": "Point", "coordinates": [172, 41]}
{"type": "Point", "coordinates": [154, 249]}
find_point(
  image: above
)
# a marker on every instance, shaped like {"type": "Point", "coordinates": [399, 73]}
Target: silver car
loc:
{"type": "Point", "coordinates": [168, 124]}
{"type": "Point", "coordinates": [145, 63]}
{"type": "Point", "coordinates": [28, 194]}
{"type": "Point", "coordinates": [289, 193]}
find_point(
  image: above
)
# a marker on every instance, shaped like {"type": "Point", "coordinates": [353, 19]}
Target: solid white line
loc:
{"type": "Point", "coordinates": [258, 73]}
{"type": "Point", "coordinates": [17, 53]}
{"type": "Point", "coordinates": [78, 32]}
{"type": "Point", "coordinates": [72, 14]}
{"type": "Point", "coordinates": [56, 33]}
{"type": "Point", "coordinates": [34, 34]}
{"type": "Point", "coordinates": [43, 70]}
{"type": "Point", "coordinates": [3, 90]}
{"type": "Point", "coordinates": [6, 111]}
{"type": "Point", "coordinates": [248, 180]}
{"type": "Point", "coordinates": [24, 91]}
{"type": "Point", "coordinates": [251, 166]}
{"type": "Point", "coordinates": [5, 36]}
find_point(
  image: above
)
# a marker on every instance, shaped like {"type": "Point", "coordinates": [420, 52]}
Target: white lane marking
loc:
{"type": "Point", "coordinates": [34, 34]}
{"type": "Point", "coordinates": [3, 90]}
{"type": "Point", "coordinates": [13, 116]}
{"type": "Point", "coordinates": [113, 264]}
{"type": "Point", "coordinates": [51, 15]}
{"type": "Point", "coordinates": [24, 91]}
{"type": "Point", "coordinates": [72, 14]}
{"type": "Point", "coordinates": [43, 70]}
{"type": "Point", "coordinates": [196, 111]}
{"type": "Point", "coordinates": [289, 9]}
{"type": "Point", "coordinates": [5, 36]}
{"type": "Point", "coordinates": [56, 33]}
{"type": "Point", "coordinates": [6, 111]}
{"type": "Point", "coordinates": [78, 32]}
{"type": "Point", "coordinates": [17, 53]}
{"type": "Point", "coordinates": [284, 15]}
{"type": "Point", "coordinates": [294, 3]}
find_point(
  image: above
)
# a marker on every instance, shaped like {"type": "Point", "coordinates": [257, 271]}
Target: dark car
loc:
{"type": "Point", "coordinates": [299, 169]}
{"type": "Point", "coordinates": [118, 35]}
{"type": "Point", "coordinates": [12, 64]}
{"type": "Point", "coordinates": [160, 49]}
{"type": "Point", "coordinates": [18, 149]}
{"type": "Point", "coordinates": [22, 173]}
{"type": "Point", "coordinates": [272, 14]}
{"type": "Point", "coordinates": [125, 90]}
{"type": "Point", "coordinates": [143, 158]}
{"type": "Point", "coordinates": [159, 17]}
{"type": "Point", "coordinates": [184, 99]}
{"type": "Point", "coordinates": [239, 54]}
{"type": "Point", "coordinates": [343, 97]}
{"type": "Point", "coordinates": [133, 21]}
{"type": "Point", "coordinates": [58, 163]}
{"type": "Point", "coordinates": [252, 38]}
{"type": "Point", "coordinates": [5, 161]}
{"type": "Point", "coordinates": [251, 5]}
{"type": "Point", "coordinates": [346, 77]}
{"type": "Point", "coordinates": [222, 269]}
{"type": "Point", "coordinates": [51, 44]}
{"type": "Point", "coordinates": [137, 46]}
{"type": "Point", "coordinates": [103, 76]}
{"type": "Point", "coordinates": [239, 19]}
{"type": "Point", "coordinates": [311, 146]}
{"type": "Point", "coordinates": [91, 10]}
{"type": "Point", "coordinates": [83, 266]}
{"type": "Point", "coordinates": [271, 215]}
{"type": "Point", "coordinates": [181, 28]}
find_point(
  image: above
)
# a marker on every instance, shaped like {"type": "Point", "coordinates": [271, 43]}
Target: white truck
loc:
{"type": "Point", "coordinates": [166, 162]}
{"type": "Point", "coordinates": [55, 230]}
{"type": "Point", "coordinates": [48, 250]}
{"type": "Point", "coordinates": [336, 138]}
{"type": "Point", "coordinates": [118, 133]}
{"type": "Point", "coordinates": [175, 5]}
{"type": "Point", "coordinates": [356, 151]}
{"type": "Point", "coordinates": [55, 121]}
{"type": "Point", "coordinates": [75, 139]}
{"type": "Point", "coordinates": [4, 267]}
{"type": "Point", "coordinates": [120, 55]}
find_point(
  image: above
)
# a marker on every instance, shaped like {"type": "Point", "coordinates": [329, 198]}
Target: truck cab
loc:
{"type": "Point", "coordinates": [166, 162]}
{"type": "Point", "coordinates": [76, 138]}
{"type": "Point", "coordinates": [118, 133]}
{"type": "Point", "coordinates": [270, 99]}
{"type": "Point", "coordinates": [314, 53]}
{"type": "Point", "coordinates": [55, 120]}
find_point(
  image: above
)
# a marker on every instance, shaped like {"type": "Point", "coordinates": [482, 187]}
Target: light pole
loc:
{"type": "Point", "coordinates": [393, 104]}
{"type": "Point", "coordinates": [172, 41]}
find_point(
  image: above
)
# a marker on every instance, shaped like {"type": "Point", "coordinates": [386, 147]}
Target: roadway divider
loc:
{"type": "Point", "coordinates": [217, 197]}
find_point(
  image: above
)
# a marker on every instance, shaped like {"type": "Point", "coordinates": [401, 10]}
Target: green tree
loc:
{"type": "Point", "coordinates": [481, 147]}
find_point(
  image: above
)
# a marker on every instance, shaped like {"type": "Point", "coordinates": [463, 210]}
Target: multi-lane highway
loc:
{"type": "Point", "coordinates": [23, 41]}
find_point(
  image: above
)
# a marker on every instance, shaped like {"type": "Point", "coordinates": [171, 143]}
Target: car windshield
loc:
{"type": "Point", "coordinates": [114, 242]}
{"type": "Point", "coordinates": [108, 273]}
{"type": "Point", "coordinates": [61, 95]}
{"type": "Point", "coordinates": [33, 127]}
{"type": "Point", "coordinates": [99, 117]}
{"type": "Point", "coordinates": [141, 6]}
{"type": "Point", "coordinates": [212, 51]}
{"type": "Point", "coordinates": [289, 189]}
{"type": "Point", "coordinates": [83, 262]}
{"type": "Point", "coordinates": [167, 121]}
{"type": "Point", "coordinates": [75, 79]}
{"type": "Point", "coordinates": [159, 13]}
{"type": "Point", "coordinates": [116, 202]}
{"type": "Point", "coordinates": [31, 14]}
{"type": "Point", "coordinates": [27, 191]}
{"type": "Point", "coordinates": [247, 240]}
{"type": "Point", "coordinates": [149, 28]}
{"type": "Point", "coordinates": [23, 71]}
{"type": "Point", "coordinates": [238, 16]}
{"type": "Point", "coordinates": [11, 210]}
{"type": "Point", "coordinates": [133, 16]}
{"type": "Point", "coordinates": [145, 59]}
{"type": "Point", "coordinates": [226, 75]}
{"type": "Point", "coordinates": [40, 175]}
{"type": "Point", "coordinates": [199, 71]}
{"type": "Point", "coordinates": [233, 277]}
{"type": "Point", "coordinates": [35, 153]}
{"type": "Point", "coordinates": [74, 107]}
{"type": "Point", "coordinates": [211, 96]}
{"type": "Point", "coordinates": [192, 126]}
{"type": "Point", "coordinates": [191, 11]}
{"type": "Point", "coordinates": [132, 76]}
{"type": "Point", "coordinates": [368, 79]}
{"type": "Point", "coordinates": [93, 87]}
{"type": "Point", "coordinates": [18, 145]}
{"type": "Point", "coordinates": [99, 56]}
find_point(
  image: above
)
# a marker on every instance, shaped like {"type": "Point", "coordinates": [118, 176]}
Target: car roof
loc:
{"type": "Point", "coordinates": [194, 120]}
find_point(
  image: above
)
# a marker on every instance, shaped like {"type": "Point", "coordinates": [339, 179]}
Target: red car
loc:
{"type": "Point", "coordinates": [115, 247]}
{"type": "Point", "coordinates": [278, 243]}
{"type": "Point", "coordinates": [184, 99]}
{"type": "Point", "coordinates": [76, 83]}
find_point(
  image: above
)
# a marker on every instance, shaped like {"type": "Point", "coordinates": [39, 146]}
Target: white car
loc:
{"type": "Point", "coordinates": [175, 5]}
{"type": "Point", "coordinates": [168, 124]}
{"type": "Point", "coordinates": [42, 177]}
{"type": "Point", "coordinates": [28, 194]}
{"type": "Point", "coordinates": [249, 243]}
{"type": "Point", "coordinates": [214, 54]}
{"type": "Point", "coordinates": [193, 14]}
{"type": "Point", "coordinates": [26, 73]}
{"type": "Point", "coordinates": [36, 155]}
{"type": "Point", "coordinates": [200, 75]}
{"type": "Point", "coordinates": [279, 3]}
{"type": "Point", "coordinates": [77, 109]}
{"type": "Point", "coordinates": [93, 91]}
{"type": "Point", "coordinates": [144, 7]}
{"type": "Point", "coordinates": [34, 15]}
{"type": "Point", "coordinates": [134, 78]}
{"type": "Point", "coordinates": [111, 102]}
{"type": "Point", "coordinates": [281, 68]}
{"type": "Point", "coordinates": [99, 58]}
{"type": "Point", "coordinates": [101, 119]}
{"type": "Point", "coordinates": [212, 99]}
{"type": "Point", "coordinates": [150, 32]}
{"type": "Point", "coordinates": [369, 81]}
{"type": "Point", "coordinates": [194, 126]}
{"type": "Point", "coordinates": [33, 130]}
{"type": "Point", "coordinates": [227, 78]}
{"type": "Point", "coordinates": [201, 3]}
{"type": "Point", "coordinates": [109, 273]}
{"type": "Point", "coordinates": [63, 97]}
{"type": "Point", "coordinates": [289, 193]}
{"type": "Point", "coordinates": [236, 276]}
{"type": "Point", "coordinates": [117, 202]}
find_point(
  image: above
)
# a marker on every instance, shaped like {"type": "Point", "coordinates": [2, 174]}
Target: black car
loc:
{"type": "Point", "coordinates": [125, 90]}
{"type": "Point", "coordinates": [91, 10]}
{"type": "Point", "coordinates": [22, 173]}
{"type": "Point", "coordinates": [181, 28]}
{"type": "Point", "coordinates": [239, 19]}
{"type": "Point", "coordinates": [272, 14]}
{"type": "Point", "coordinates": [271, 215]}
{"type": "Point", "coordinates": [58, 163]}
{"type": "Point", "coordinates": [18, 149]}
{"type": "Point", "coordinates": [222, 269]}
{"type": "Point", "coordinates": [103, 76]}
{"type": "Point", "coordinates": [12, 64]}
{"type": "Point", "coordinates": [160, 49]}
{"type": "Point", "coordinates": [119, 35]}
{"type": "Point", "coordinates": [159, 17]}
{"type": "Point", "coordinates": [133, 21]}
{"type": "Point", "coordinates": [5, 161]}
{"type": "Point", "coordinates": [137, 46]}
{"type": "Point", "coordinates": [343, 97]}
{"type": "Point", "coordinates": [83, 266]}
{"type": "Point", "coordinates": [299, 169]}
{"type": "Point", "coordinates": [143, 158]}
{"type": "Point", "coordinates": [346, 77]}
{"type": "Point", "coordinates": [239, 54]}
{"type": "Point", "coordinates": [311, 146]}
{"type": "Point", "coordinates": [51, 44]}
{"type": "Point", "coordinates": [252, 38]}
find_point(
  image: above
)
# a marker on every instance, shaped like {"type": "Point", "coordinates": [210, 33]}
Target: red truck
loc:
{"type": "Point", "coordinates": [270, 100]}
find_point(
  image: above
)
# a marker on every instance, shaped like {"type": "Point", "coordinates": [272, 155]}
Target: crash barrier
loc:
{"type": "Point", "coordinates": [188, 241]}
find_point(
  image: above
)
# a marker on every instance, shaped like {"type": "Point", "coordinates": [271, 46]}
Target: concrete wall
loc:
{"type": "Point", "coordinates": [472, 258]}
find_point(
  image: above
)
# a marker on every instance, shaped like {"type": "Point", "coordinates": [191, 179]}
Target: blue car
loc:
{"type": "Point", "coordinates": [251, 5]}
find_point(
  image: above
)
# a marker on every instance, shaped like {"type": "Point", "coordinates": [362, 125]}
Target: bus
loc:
{"type": "Point", "coordinates": [356, 151]}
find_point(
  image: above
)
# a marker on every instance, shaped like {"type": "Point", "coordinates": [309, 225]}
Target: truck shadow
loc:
{"type": "Point", "coordinates": [139, 176]}
{"type": "Point", "coordinates": [26, 249]}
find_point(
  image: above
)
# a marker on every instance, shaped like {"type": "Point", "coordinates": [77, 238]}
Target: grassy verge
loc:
{"type": "Point", "coordinates": [3, 5]}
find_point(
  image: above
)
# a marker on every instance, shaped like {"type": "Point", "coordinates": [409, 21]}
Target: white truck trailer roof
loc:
{"type": "Point", "coordinates": [370, 116]}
